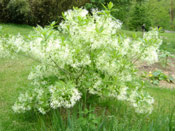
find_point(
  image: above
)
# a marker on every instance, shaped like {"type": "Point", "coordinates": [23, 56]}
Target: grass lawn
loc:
{"type": "Point", "coordinates": [13, 80]}
{"type": "Point", "coordinates": [14, 29]}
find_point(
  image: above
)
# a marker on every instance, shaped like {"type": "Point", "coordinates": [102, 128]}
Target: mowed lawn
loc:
{"type": "Point", "coordinates": [13, 80]}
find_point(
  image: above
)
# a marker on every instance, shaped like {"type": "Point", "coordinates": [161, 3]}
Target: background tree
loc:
{"type": "Point", "coordinates": [120, 9]}
{"type": "Point", "coordinates": [35, 12]}
{"type": "Point", "coordinates": [159, 13]}
{"type": "Point", "coordinates": [130, 12]}
{"type": "Point", "coordinates": [140, 17]}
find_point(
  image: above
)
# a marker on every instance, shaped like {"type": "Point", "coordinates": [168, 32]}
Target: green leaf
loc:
{"type": "Point", "coordinates": [101, 29]}
{"type": "Point", "coordinates": [170, 79]}
{"type": "Point", "coordinates": [110, 5]}
{"type": "Point", "coordinates": [156, 73]}
{"type": "Point", "coordinates": [156, 82]}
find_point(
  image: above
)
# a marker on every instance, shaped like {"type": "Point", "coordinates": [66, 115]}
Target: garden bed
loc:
{"type": "Point", "coordinates": [169, 70]}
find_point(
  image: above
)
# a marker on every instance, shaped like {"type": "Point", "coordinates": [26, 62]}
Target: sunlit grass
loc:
{"type": "Point", "coordinates": [13, 80]}
{"type": "Point", "coordinates": [14, 29]}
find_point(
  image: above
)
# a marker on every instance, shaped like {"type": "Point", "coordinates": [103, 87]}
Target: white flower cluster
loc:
{"type": "Point", "coordinates": [141, 100]}
{"type": "Point", "coordinates": [151, 52]}
{"type": "Point", "coordinates": [11, 45]}
{"type": "Point", "coordinates": [36, 99]}
{"type": "Point", "coordinates": [43, 99]}
{"type": "Point", "coordinates": [86, 50]}
{"type": "Point", "coordinates": [63, 95]}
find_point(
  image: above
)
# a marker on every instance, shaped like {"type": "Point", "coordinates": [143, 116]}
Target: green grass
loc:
{"type": "Point", "coordinates": [13, 80]}
{"type": "Point", "coordinates": [14, 29]}
{"type": "Point", "coordinates": [106, 114]}
{"type": "Point", "coordinates": [169, 42]}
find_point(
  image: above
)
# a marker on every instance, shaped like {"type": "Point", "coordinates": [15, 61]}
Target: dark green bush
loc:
{"type": "Point", "coordinates": [3, 10]}
{"type": "Point", "coordinates": [35, 12]}
{"type": "Point", "coordinates": [19, 11]}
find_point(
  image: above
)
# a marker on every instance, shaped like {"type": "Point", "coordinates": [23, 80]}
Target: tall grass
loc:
{"type": "Point", "coordinates": [112, 116]}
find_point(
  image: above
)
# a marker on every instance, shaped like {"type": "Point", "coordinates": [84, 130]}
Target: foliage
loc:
{"type": "Point", "coordinates": [3, 10]}
{"type": "Point", "coordinates": [120, 9]}
{"type": "Point", "coordinates": [43, 12]}
{"type": "Point", "coordinates": [158, 75]}
{"type": "Point", "coordinates": [115, 115]}
{"type": "Point", "coordinates": [155, 12]}
{"type": "Point", "coordinates": [88, 119]}
{"type": "Point", "coordinates": [159, 13]}
{"type": "Point", "coordinates": [139, 18]}
{"type": "Point", "coordinates": [168, 39]}
{"type": "Point", "coordinates": [85, 57]}
{"type": "Point", "coordinates": [35, 12]}
{"type": "Point", "coordinates": [164, 57]}
{"type": "Point", "coordinates": [19, 10]}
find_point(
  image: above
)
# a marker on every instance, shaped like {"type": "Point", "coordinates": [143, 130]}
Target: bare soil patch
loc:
{"type": "Point", "coordinates": [169, 70]}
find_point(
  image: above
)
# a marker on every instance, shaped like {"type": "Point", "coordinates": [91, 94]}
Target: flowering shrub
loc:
{"type": "Point", "coordinates": [85, 55]}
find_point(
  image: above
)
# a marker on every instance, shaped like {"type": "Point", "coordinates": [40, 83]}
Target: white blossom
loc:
{"type": "Point", "coordinates": [85, 54]}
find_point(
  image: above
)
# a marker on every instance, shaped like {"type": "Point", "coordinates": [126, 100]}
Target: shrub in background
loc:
{"type": "Point", "coordinates": [4, 16]}
{"type": "Point", "coordinates": [35, 12]}
{"type": "Point", "coordinates": [19, 11]}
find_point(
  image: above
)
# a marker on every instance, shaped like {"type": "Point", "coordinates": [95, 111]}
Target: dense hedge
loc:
{"type": "Point", "coordinates": [35, 12]}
